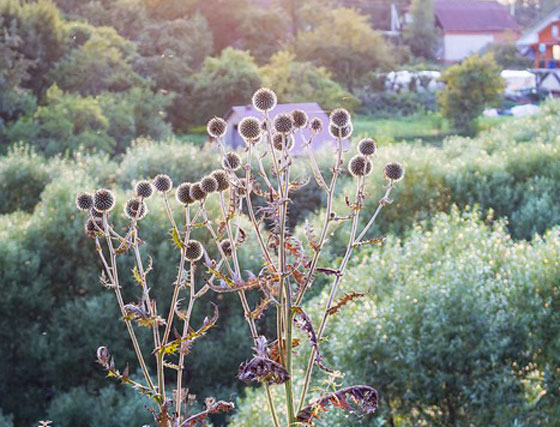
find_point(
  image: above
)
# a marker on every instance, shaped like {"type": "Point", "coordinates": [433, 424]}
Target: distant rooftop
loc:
{"type": "Point", "coordinates": [474, 15]}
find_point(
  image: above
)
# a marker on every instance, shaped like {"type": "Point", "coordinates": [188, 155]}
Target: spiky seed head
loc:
{"type": "Point", "coordinates": [283, 123]}
{"type": "Point", "coordinates": [197, 193]}
{"type": "Point", "coordinates": [394, 171]}
{"type": "Point", "coordinates": [144, 189]}
{"type": "Point", "coordinates": [216, 127]}
{"type": "Point", "coordinates": [264, 99]}
{"type": "Point", "coordinates": [232, 160]}
{"type": "Point", "coordinates": [193, 250]}
{"type": "Point", "coordinates": [279, 139]}
{"type": "Point", "coordinates": [103, 200]}
{"type": "Point", "coordinates": [359, 165]}
{"type": "Point", "coordinates": [183, 194]}
{"type": "Point", "coordinates": [343, 132]}
{"type": "Point", "coordinates": [135, 209]}
{"type": "Point", "coordinates": [96, 214]}
{"type": "Point", "coordinates": [316, 124]}
{"type": "Point", "coordinates": [222, 179]}
{"type": "Point", "coordinates": [163, 183]}
{"type": "Point", "coordinates": [249, 128]}
{"type": "Point", "coordinates": [226, 247]}
{"type": "Point", "coordinates": [84, 201]}
{"type": "Point", "coordinates": [367, 147]}
{"type": "Point", "coordinates": [209, 184]}
{"type": "Point", "coordinates": [340, 117]}
{"type": "Point", "coordinates": [299, 117]}
{"type": "Point", "coordinates": [93, 228]}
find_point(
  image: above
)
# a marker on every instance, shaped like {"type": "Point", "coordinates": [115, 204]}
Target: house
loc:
{"type": "Point", "coordinates": [236, 114]}
{"type": "Point", "coordinates": [467, 26]}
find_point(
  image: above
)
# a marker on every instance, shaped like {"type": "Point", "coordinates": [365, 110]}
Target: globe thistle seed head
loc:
{"type": "Point", "coordinates": [183, 194]}
{"type": "Point", "coordinates": [300, 119]}
{"type": "Point", "coordinates": [163, 183]}
{"type": "Point", "coordinates": [209, 184]}
{"type": "Point", "coordinates": [367, 147]}
{"type": "Point", "coordinates": [279, 139]}
{"type": "Point", "coordinates": [226, 247]}
{"type": "Point", "coordinates": [222, 179]}
{"type": "Point", "coordinates": [283, 123]}
{"type": "Point", "coordinates": [340, 117]}
{"type": "Point", "coordinates": [359, 165]}
{"type": "Point", "coordinates": [84, 201]}
{"type": "Point", "coordinates": [216, 127]}
{"type": "Point", "coordinates": [144, 189]}
{"type": "Point", "coordinates": [249, 128]}
{"type": "Point", "coordinates": [194, 250]}
{"type": "Point", "coordinates": [316, 125]}
{"type": "Point", "coordinates": [103, 200]}
{"type": "Point", "coordinates": [394, 171]}
{"type": "Point", "coordinates": [343, 132]}
{"type": "Point", "coordinates": [264, 99]}
{"type": "Point", "coordinates": [197, 193]}
{"type": "Point", "coordinates": [233, 160]}
{"type": "Point", "coordinates": [93, 228]}
{"type": "Point", "coordinates": [96, 214]}
{"type": "Point", "coordinates": [135, 209]}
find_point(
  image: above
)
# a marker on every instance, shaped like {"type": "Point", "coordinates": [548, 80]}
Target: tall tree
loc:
{"type": "Point", "coordinates": [422, 34]}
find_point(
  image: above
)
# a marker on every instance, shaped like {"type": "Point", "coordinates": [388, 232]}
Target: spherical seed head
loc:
{"type": "Point", "coordinates": [209, 184]}
{"type": "Point", "coordinates": [249, 128]}
{"type": "Point", "coordinates": [340, 117]}
{"type": "Point", "coordinates": [279, 139]}
{"type": "Point", "coordinates": [226, 247]}
{"type": "Point", "coordinates": [96, 214]}
{"type": "Point", "coordinates": [103, 200]}
{"type": "Point", "coordinates": [163, 183]}
{"type": "Point", "coordinates": [216, 127]}
{"type": "Point", "coordinates": [299, 118]}
{"type": "Point", "coordinates": [144, 189]}
{"type": "Point", "coordinates": [183, 194]}
{"type": "Point", "coordinates": [343, 132]}
{"type": "Point", "coordinates": [316, 125]}
{"type": "Point", "coordinates": [359, 165]}
{"type": "Point", "coordinates": [197, 193]}
{"type": "Point", "coordinates": [84, 201]}
{"type": "Point", "coordinates": [93, 228]}
{"type": "Point", "coordinates": [232, 160]}
{"type": "Point", "coordinates": [367, 147]}
{"type": "Point", "coordinates": [264, 99]}
{"type": "Point", "coordinates": [222, 179]}
{"type": "Point", "coordinates": [194, 250]}
{"type": "Point", "coordinates": [135, 209]}
{"type": "Point", "coordinates": [394, 171]}
{"type": "Point", "coordinates": [283, 123]}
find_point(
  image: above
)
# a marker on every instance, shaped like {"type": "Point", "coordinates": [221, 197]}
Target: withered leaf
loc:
{"type": "Point", "coordinates": [303, 321]}
{"type": "Point", "coordinates": [328, 271]}
{"type": "Point", "coordinates": [261, 368]}
{"type": "Point", "coordinates": [344, 300]}
{"type": "Point", "coordinates": [274, 351]}
{"type": "Point", "coordinates": [212, 407]}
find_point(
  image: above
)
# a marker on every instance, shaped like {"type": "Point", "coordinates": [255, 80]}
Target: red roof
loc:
{"type": "Point", "coordinates": [473, 15]}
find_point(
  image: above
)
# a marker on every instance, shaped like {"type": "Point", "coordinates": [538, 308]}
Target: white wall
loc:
{"type": "Point", "coordinates": [459, 46]}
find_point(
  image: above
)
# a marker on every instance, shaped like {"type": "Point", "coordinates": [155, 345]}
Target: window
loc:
{"type": "Point", "coordinates": [556, 52]}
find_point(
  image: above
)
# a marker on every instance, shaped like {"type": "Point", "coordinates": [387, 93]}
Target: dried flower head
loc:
{"type": "Point", "coordinates": [232, 160]}
{"type": "Point", "coordinates": [193, 250]}
{"type": "Point", "coordinates": [216, 127]}
{"type": "Point", "coordinates": [93, 228]}
{"type": "Point", "coordinates": [163, 183]}
{"type": "Point", "coordinates": [394, 171]}
{"type": "Point", "coordinates": [209, 184]}
{"type": "Point", "coordinates": [96, 214]}
{"type": "Point", "coordinates": [222, 179]}
{"type": "Point", "coordinates": [183, 194]}
{"type": "Point", "coordinates": [135, 209]}
{"type": "Point", "coordinates": [144, 189]}
{"type": "Point", "coordinates": [197, 193]}
{"type": "Point", "coordinates": [279, 139]}
{"type": "Point", "coordinates": [360, 165]}
{"type": "Point", "coordinates": [103, 200]}
{"type": "Point", "coordinates": [264, 99]}
{"type": "Point", "coordinates": [226, 247]}
{"type": "Point", "coordinates": [299, 118]}
{"type": "Point", "coordinates": [340, 117]}
{"type": "Point", "coordinates": [283, 123]}
{"type": "Point", "coordinates": [84, 201]}
{"type": "Point", "coordinates": [367, 147]}
{"type": "Point", "coordinates": [316, 125]}
{"type": "Point", "coordinates": [249, 128]}
{"type": "Point", "coordinates": [343, 132]}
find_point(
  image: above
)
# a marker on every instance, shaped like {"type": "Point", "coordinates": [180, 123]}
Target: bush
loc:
{"type": "Point", "coordinates": [389, 105]}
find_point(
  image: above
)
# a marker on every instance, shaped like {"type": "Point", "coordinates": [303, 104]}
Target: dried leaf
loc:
{"type": "Point", "coordinates": [274, 351]}
{"type": "Point", "coordinates": [311, 238]}
{"type": "Point", "coordinates": [261, 368]}
{"type": "Point", "coordinates": [303, 321]}
{"type": "Point", "coordinates": [328, 271]}
{"type": "Point", "coordinates": [296, 185]}
{"type": "Point", "coordinates": [375, 241]}
{"type": "Point", "coordinates": [212, 407]}
{"type": "Point", "coordinates": [344, 300]}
